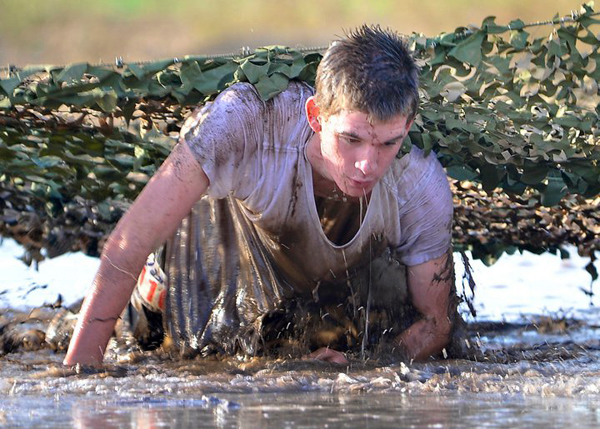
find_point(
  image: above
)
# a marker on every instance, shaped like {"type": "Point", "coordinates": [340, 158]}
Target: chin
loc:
{"type": "Point", "coordinates": [357, 191]}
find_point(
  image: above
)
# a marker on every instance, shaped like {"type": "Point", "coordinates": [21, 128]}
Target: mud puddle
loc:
{"type": "Point", "coordinates": [307, 410]}
{"type": "Point", "coordinates": [531, 371]}
{"type": "Point", "coordinates": [540, 372]}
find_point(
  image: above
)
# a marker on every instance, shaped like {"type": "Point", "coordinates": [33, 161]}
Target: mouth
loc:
{"type": "Point", "coordinates": [363, 184]}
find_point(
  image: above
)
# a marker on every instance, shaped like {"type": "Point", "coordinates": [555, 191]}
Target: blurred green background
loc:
{"type": "Point", "coordinates": [62, 31]}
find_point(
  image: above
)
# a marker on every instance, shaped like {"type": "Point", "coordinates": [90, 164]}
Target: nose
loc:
{"type": "Point", "coordinates": [367, 161]}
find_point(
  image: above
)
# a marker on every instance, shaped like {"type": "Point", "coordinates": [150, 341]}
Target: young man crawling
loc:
{"type": "Point", "coordinates": [292, 225]}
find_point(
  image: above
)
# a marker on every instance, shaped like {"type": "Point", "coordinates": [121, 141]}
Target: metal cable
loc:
{"type": "Point", "coordinates": [572, 18]}
{"type": "Point", "coordinates": [245, 51]}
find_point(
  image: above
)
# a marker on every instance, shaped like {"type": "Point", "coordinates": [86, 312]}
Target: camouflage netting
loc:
{"type": "Point", "coordinates": [513, 118]}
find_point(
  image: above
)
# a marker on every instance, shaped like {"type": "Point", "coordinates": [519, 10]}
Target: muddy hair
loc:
{"type": "Point", "coordinates": [371, 70]}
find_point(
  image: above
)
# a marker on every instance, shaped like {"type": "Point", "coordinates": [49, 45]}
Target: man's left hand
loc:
{"type": "Point", "coordinates": [329, 355]}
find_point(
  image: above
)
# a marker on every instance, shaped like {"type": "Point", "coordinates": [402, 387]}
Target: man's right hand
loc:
{"type": "Point", "coordinates": [150, 221]}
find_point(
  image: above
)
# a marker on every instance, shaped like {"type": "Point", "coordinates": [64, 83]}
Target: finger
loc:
{"type": "Point", "coordinates": [329, 355]}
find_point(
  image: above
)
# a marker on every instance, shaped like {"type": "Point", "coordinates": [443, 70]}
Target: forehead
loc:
{"type": "Point", "coordinates": [359, 123]}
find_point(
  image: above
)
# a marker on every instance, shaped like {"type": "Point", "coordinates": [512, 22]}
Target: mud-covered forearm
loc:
{"type": "Point", "coordinates": [150, 221]}
{"type": "Point", "coordinates": [108, 296]}
{"type": "Point", "coordinates": [425, 338]}
{"type": "Point", "coordinates": [431, 289]}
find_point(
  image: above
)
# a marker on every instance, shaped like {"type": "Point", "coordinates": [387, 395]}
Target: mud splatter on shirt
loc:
{"type": "Point", "coordinates": [256, 152]}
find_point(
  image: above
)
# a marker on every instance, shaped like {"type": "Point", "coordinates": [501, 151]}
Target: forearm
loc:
{"type": "Point", "coordinates": [110, 293]}
{"type": "Point", "coordinates": [425, 338]}
{"type": "Point", "coordinates": [431, 290]}
{"type": "Point", "coordinates": [149, 222]}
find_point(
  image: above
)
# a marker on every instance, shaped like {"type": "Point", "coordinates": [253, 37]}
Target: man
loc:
{"type": "Point", "coordinates": [302, 230]}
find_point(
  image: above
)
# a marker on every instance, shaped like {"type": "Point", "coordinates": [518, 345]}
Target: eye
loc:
{"type": "Point", "coordinates": [349, 140]}
{"type": "Point", "coordinates": [391, 143]}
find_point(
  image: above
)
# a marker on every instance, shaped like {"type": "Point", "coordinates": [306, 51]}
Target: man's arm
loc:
{"type": "Point", "coordinates": [150, 221]}
{"type": "Point", "coordinates": [430, 286]}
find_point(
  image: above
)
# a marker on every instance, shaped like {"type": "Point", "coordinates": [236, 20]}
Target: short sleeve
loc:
{"type": "Point", "coordinates": [224, 137]}
{"type": "Point", "coordinates": [426, 222]}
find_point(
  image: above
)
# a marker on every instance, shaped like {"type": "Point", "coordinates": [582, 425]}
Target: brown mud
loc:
{"type": "Point", "coordinates": [545, 372]}
{"type": "Point", "coordinates": [543, 357]}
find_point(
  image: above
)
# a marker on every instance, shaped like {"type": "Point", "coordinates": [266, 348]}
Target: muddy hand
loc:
{"type": "Point", "coordinates": [329, 355]}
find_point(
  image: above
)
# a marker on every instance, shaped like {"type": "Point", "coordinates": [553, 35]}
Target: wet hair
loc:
{"type": "Point", "coordinates": [371, 70]}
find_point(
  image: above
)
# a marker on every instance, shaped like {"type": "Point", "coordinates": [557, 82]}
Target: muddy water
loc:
{"type": "Point", "coordinates": [534, 371]}
{"type": "Point", "coordinates": [314, 410]}
{"type": "Point", "coordinates": [545, 373]}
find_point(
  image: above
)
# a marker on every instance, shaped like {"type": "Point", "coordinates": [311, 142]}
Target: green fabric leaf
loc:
{"type": "Point", "coordinates": [47, 161]}
{"type": "Point", "coordinates": [534, 175]}
{"type": "Point", "coordinates": [555, 190]}
{"type": "Point", "coordinates": [516, 24]}
{"type": "Point", "coordinates": [155, 67]}
{"type": "Point", "coordinates": [269, 86]}
{"type": "Point", "coordinates": [9, 85]}
{"type": "Point", "coordinates": [491, 176]}
{"type": "Point", "coordinates": [469, 50]}
{"type": "Point", "coordinates": [518, 39]}
{"type": "Point", "coordinates": [108, 101]}
{"type": "Point", "coordinates": [215, 79]}
{"type": "Point", "coordinates": [102, 73]}
{"type": "Point", "coordinates": [72, 73]}
{"type": "Point", "coordinates": [254, 71]}
{"type": "Point", "coordinates": [136, 70]}
{"type": "Point", "coordinates": [489, 26]}
{"type": "Point", "coordinates": [460, 172]}
{"type": "Point", "coordinates": [190, 76]}
{"type": "Point", "coordinates": [297, 66]}
{"type": "Point", "coordinates": [5, 103]}
{"type": "Point", "coordinates": [427, 143]}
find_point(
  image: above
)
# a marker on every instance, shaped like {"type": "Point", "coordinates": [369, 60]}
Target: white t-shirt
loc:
{"type": "Point", "coordinates": [255, 151]}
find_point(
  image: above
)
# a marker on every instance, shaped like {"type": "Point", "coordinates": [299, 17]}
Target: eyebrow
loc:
{"type": "Point", "coordinates": [349, 134]}
{"type": "Point", "coordinates": [352, 135]}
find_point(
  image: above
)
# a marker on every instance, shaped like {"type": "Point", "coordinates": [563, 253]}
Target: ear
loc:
{"type": "Point", "coordinates": [312, 115]}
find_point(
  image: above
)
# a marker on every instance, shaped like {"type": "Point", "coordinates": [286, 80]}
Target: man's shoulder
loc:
{"type": "Point", "coordinates": [413, 173]}
{"type": "Point", "coordinates": [241, 105]}
{"type": "Point", "coordinates": [414, 166]}
{"type": "Point", "coordinates": [297, 92]}
{"type": "Point", "coordinates": [243, 92]}
{"type": "Point", "coordinates": [281, 119]}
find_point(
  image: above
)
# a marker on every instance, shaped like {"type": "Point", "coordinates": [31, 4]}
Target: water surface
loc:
{"type": "Point", "coordinates": [541, 369]}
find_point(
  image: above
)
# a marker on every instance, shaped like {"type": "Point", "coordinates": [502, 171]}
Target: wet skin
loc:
{"type": "Point", "coordinates": [348, 153]}
{"type": "Point", "coordinates": [179, 182]}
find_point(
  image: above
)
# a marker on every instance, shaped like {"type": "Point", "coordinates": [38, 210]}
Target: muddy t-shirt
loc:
{"type": "Point", "coordinates": [255, 151]}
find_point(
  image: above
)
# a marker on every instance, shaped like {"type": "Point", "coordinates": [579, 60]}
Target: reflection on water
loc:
{"type": "Point", "coordinates": [521, 377]}
{"type": "Point", "coordinates": [308, 410]}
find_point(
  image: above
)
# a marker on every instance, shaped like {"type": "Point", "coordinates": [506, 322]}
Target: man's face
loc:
{"type": "Point", "coordinates": [357, 153]}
